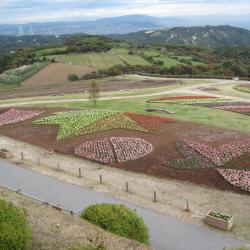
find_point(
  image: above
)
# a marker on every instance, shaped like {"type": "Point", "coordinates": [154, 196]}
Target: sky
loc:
{"type": "Point", "coordinates": [26, 11]}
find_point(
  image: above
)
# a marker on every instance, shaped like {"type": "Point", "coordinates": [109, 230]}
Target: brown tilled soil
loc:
{"type": "Point", "coordinates": [164, 143]}
{"type": "Point", "coordinates": [56, 73]}
{"type": "Point", "coordinates": [36, 89]}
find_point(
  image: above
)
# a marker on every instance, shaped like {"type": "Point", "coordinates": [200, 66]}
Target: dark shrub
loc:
{"type": "Point", "coordinates": [14, 231]}
{"type": "Point", "coordinates": [73, 77]}
{"type": "Point", "coordinates": [117, 219]}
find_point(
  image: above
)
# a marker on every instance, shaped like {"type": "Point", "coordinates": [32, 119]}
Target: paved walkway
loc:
{"type": "Point", "coordinates": [167, 233]}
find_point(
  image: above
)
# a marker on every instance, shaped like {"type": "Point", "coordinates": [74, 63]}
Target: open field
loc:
{"type": "Point", "coordinates": [56, 73]}
{"type": "Point", "coordinates": [18, 75]}
{"type": "Point", "coordinates": [101, 60]}
{"type": "Point", "coordinates": [54, 230]}
{"type": "Point", "coordinates": [50, 87]}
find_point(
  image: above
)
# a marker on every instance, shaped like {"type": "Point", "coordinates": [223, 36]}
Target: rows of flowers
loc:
{"type": "Point", "coordinates": [152, 123]}
{"type": "Point", "coordinates": [117, 121]}
{"type": "Point", "coordinates": [72, 122]}
{"type": "Point", "coordinates": [13, 116]}
{"type": "Point", "coordinates": [223, 154]}
{"type": "Point", "coordinates": [192, 159]}
{"type": "Point", "coordinates": [238, 178]}
{"type": "Point", "coordinates": [129, 149]}
{"type": "Point", "coordinates": [99, 150]}
{"type": "Point", "coordinates": [75, 123]}
{"type": "Point", "coordinates": [235, 108]}
{"type": "Point", "coordinates": [114, 149]}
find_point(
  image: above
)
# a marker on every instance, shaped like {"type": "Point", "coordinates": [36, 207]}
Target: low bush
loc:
{"type": "Point", "coordinates": [119, 220]}
{"type": "Point", "coordinates": [14, 230]}
{"type": "Point", "coordinates": [73, 77]}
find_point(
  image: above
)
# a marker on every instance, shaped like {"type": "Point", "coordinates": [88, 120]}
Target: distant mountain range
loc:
{"type": "Point", "coordinates": [113, 25]}
{"type": "Point", "coordinates": [202, 36]}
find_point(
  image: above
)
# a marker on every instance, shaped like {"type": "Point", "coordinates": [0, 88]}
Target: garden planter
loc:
{"type": "Point", "coordinates": [5, 154]}
{"type": "Point", "coordinates": [218, 222]}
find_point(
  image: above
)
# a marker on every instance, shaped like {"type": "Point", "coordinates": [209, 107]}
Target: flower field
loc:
{"type": "Point", "coordinates": [238, 178]}
{"type": "Point", "coordinates": [243, 109]}
{"type": "Point", "coordinates": [13, 116]}
{"type": "Point", "coordinates": [152, 123]}
{"type": "Point", "coordinates": [75, 123]}
{"type": "Point", "coordinates": [114, 149]}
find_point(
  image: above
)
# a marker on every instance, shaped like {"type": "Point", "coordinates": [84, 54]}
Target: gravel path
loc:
{"type": "Point", "coordinates": [166, 232]}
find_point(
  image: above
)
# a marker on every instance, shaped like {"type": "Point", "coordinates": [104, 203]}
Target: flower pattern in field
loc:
{"type": "Point", "coordinates": [13, 116]}
{"type": "Point", "coordinates": [244, 109]}
{"type": "Point", "coordinates": [238, 178]}
{"type": "Point", "coordinates": [117, 121]}
{"type": "Point", "coordinates": [129, 149]}
{"type": "Point", "coordinates": [152, 123]}
{"type": "Point", "coordinates": [99, 150]}
{"type": "Point", "coordinates": [75, 123]}
{"type": "Point", "coordinates": [114, 149]}
{"type": "Point", "coordinates": [223, 154]}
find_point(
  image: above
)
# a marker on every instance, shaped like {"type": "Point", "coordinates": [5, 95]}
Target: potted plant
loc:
{"type": "Point", "coordinates": [219, 220]}
{"type": "Point", "coordinates": [4, 153]}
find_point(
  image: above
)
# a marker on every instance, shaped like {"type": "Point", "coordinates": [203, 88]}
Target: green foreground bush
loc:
{"type": "Point", "coordinates": [117, 219]}
{"type": "Point", "coordinates": [14, 230]}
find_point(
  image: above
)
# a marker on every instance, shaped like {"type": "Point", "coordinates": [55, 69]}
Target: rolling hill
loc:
{"type": "Point", "coordinates": [211, 36]}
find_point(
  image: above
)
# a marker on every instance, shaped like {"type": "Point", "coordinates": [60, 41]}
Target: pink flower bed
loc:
{"type": "Point", "coordinates": [238, 178]}
{"type": "Point", "coordinates": [13, 116]}
{"type": "Point", "coordinates": [129, 149]}
{"type": "Point", "coordinates": [235, 108]}
{"type": "Point", "coordinates": [223, 154]}
{"type": "Point", "coordinates": [99, 150]}
{"type": "Point", "coordinates": [114, 149]}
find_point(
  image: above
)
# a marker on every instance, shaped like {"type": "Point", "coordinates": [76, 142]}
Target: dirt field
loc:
{"type": "Point", "coordinates": [164, 143]}
{"type": "Point", "coordinates": [80, 86]}
{"type": "Point", "coordinates": [54, 230]}
{"type": "Point", "coordinates": [56, 73]}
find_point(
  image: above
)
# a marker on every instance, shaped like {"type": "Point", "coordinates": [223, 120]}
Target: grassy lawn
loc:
{"type": "Point", "coordinates": [203, 115]}
{"type": "Point", "coordinates": [101, 60]}
{"type": "Point", "coordinates": [242, 89]}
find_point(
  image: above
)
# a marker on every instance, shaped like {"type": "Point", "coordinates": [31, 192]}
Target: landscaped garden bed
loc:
{"type": "Point", "coordinates": [13, 116]}
{"type": "Point", "coordinates": [172, 156]}
{"type": "Point", "coordinates": [114, 149]}
{"type": "Point", "coordinates": [219, 220]}
{"type": "Point", "coordinates": [92, 121]}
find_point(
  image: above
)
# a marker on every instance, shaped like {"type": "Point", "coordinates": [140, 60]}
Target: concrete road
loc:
{"type": "Point", "coordinates": [167, 233]}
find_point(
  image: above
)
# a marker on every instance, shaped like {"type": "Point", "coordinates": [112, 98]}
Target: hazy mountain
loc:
{"type": "Point", "coordinates": [113, 25]}
{"type": "Point", "coordinates": [203, 36]}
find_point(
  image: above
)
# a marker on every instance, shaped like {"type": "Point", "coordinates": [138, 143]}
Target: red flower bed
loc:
{"type": "Point", "coordinates": [183, 98]}
{"type": "Point", "coordinates": [13, 116]}
{"type": "Point", "coordinates": [152, 123]}
{"type": "Point", "coordinates": [114, 149]}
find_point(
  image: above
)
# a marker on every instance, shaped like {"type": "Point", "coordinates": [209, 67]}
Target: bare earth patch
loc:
{"type": "Point", "coordinates": [56, 73]}
{"type": "Point", "coordinates": [54, 230]}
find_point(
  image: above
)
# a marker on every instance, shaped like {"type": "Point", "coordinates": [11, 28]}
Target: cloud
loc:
{"type": "Point", "coordinates": [21, 11]}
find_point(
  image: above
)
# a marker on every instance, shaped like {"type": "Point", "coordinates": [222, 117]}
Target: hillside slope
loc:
{"type": "Point", "coordinates": [213, 36]}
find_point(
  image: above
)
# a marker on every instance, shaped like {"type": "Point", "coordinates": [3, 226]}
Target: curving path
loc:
{"type": "Point", "coordinates": [167, 233]}
{"type": "Point", "coordinates": [185, 89]}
